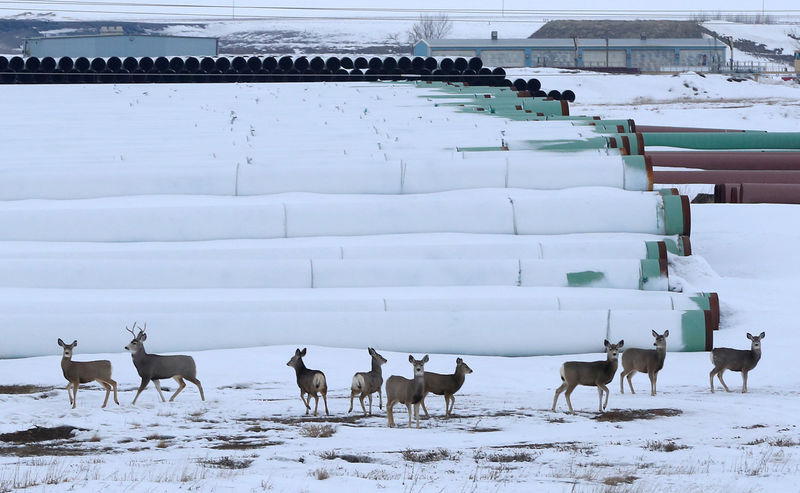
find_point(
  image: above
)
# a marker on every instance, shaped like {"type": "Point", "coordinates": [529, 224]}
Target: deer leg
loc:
{"type": "Point", "coordinates": [195, 381]}
{"type": "Point", "coordinates": [75, 394]}
{"type": "Point", "coordinates": [603, 388]}
{"type": "Point", "coordinates": [363, 408]}
{"type": "Point", "coordinates": [600, 394]}
{"type": "Point", "coordinates": [325, 399]}
{"type": "Point", "coordinates": [621, 380]}
{"type": "Point", "coordinates": [719, 375]}
{"type": "Point", "coordinates": [558, 392]}
{"type": "Point", "coordinates": [370, 404]}
{"type": "Point", "coordinates": [630, 383]}
{"type": "Point", "coordinates": [570, 388]}
{"type": "Point", "coordinates": [316, 402]}
{"type": "Point", "coordinates": [652, 376]}
{"type": "Point", "coordinates": [389, 413]}
{"type": "Point", "coordinates": [416, 413]}
{"type": "Point", "coordinates": [452, 404]}
{"type": "Point", "coordinates": [69, 392]}
{"type": "Point", "coordinates": [744, 382]}
{"type": "Point", "coordinates": [181, 385]}
{"type": "Point", "coordinates": [425, 409]}
{"type": "Point", "coordinates": [352, 395]}
{"type": "Point", "coordinates": [142, 386]}
{"type": "Point", "coordinates": [380, 399]}
{"type": "Point", "coordinates": [113, 384]}
{"type": "Point", "coordinates": [711, 378]}
{"type": "Point", "coordinates": [408, 405]}
{"type": "Point", "coordinates": [302, 398]}
{"type": "Point", "coordinates": [108, 391]}
{"type": "Point", "coordinates": [157, 384]}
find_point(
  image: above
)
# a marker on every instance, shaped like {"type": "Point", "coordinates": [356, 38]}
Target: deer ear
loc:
{"type": "Point", "coordinates": [370, 350]}
{"type": "Point", "coordinates": [606, 343]}
{"type": "Point", "coordinates": [763, 335]}
{"type": "Point", "coordinates": [74, 343]}
{"type": "Point", "coordinates": [410, 358]}
{"type": "Point", "coordinates": [621, 343]}
{"type": "Point", "coordinates": [60, 342]}
{"type": "Point", "coordinates": [750, 336]}
{"type": "Point", "coordinates": [459, 361]}
{"type": "Point", "coordinates": [142, 337]}
{"type": "Point", "coordinates": [666, 333]}
{"type": "Point", "coordinates": [655, 334]}
{"type": "Point", "coordinates": [425, 359]}
{"type": "Point", "coordinates": [303, 352]}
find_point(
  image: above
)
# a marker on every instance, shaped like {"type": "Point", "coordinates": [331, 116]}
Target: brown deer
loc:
{"type": "Point", "coordinates": [78, 372]}
{"type": "Point", "coordinates": [366, 383]}
{"type": "Point", "coordinates": [405, 391]}
{"type": "Point", "coordinates": [589, 373]}
{"type": "Point", "coordinates": [649, 361]}
{"type": "Point", "coordinates": [311, 382]}
{"type": "Point", "coordinates": [742, 360]}
{"type": "Point", "coordinates": [446, 385]}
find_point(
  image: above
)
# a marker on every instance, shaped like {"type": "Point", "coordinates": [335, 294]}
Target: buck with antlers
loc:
{"type": "Point", "coordinates": [156, 367]}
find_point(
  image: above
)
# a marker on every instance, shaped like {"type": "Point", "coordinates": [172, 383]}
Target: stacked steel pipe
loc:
{"type": "Point", "coordinates": [260, 69]}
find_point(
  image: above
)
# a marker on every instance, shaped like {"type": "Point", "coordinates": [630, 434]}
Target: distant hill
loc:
{"type": "Point", "coordinates": [600, 28]}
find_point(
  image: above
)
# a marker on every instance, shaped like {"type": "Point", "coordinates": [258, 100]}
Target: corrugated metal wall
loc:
{"type": "Point", "coordinates": [121, 46]}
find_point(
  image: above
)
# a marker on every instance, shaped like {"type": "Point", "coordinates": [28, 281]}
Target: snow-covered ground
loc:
{"type": "Point", "coordinates": [250, 433]}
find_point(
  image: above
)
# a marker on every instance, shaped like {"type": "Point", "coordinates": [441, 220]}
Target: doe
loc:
{"type": "Point", "coordinates": [366, 383]}
{"type": "Point", "coordinates": [742, 360]}
{"type": "Point", "coordinates": [311, 382]}
{"type": "Point", "coordinates": [649, 361]}
{"type": "Point", "coordinates": [405, 391]}
{"type": "Point", "coordinates": [78, 372]}
{"type": "Point", "coordinates": [446, 385]}
{"type": "Point", "coordinates": [589, 373]}
{"type": "Point", "coordinates": [155, 367]}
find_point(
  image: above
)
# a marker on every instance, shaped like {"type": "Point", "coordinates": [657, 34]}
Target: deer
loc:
{"type": "Point", "coordinates": [155, 367]}
{"type": "Point", "coordinates": [366, 383]}
{"type": "Point", "coordinates": [311, 382]}
{"type": "Point", "coordinates": [589, 373]}
{"type": "Point", "coordinates": [742, 360]}
{"type": "Point", "coordinates": [649, 361]}
{"type": "Point", "coordinates": [78, 372]}
{"type": "Point", "coordinates": [445, 385]}
{"type": "Point", "coordinates": [405, 391]}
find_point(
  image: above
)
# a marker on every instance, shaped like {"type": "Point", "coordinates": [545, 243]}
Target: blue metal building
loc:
{"type": "Point", "coordinates": [644, 54]}
{"type": "Point", "coordinates": [121, 45]}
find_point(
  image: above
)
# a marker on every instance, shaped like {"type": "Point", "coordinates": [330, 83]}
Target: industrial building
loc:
{"type": "Point", "coordinates": [120, 45]}
{"type": "Point", "coordinates": [639, 53]}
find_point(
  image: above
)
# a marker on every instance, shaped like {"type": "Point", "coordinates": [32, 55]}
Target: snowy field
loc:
{"type": "Point", "coordinates": [250, 433]}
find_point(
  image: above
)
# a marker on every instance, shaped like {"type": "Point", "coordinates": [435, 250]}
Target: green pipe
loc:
{"type": "Point", "coordinates": [653, 274]}
{"type": "Point", "coordinates": [696, 333]}
{"type": "Point", "coordinates": [653, 249]}
{"type": "Point", "coordinates": [677, 215]}
{"type": "Point", "coordinates": [738, 140]}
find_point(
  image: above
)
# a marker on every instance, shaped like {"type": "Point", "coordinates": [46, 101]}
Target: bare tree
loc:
{"type": "Point", "coordinates": [430, 26]}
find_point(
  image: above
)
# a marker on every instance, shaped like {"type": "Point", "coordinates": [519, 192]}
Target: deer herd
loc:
{"type": "Point", "coordinates": [411, 392]}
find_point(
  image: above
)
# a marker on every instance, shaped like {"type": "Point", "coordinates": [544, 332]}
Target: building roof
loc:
{"type": "Point", "coordinates": [569, 43]}
{"type": "Point", "coordinates": [117, 35]}
{"type": "Point", "coordinates": [620, 29]}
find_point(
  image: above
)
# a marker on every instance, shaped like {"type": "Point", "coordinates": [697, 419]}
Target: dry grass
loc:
{"type": "Point", "coordinates": [227, 463]}
{"type": "Point", "coordinates": [351, 458]}
{"type": "Point", "coordinates": [618, 480]}
{"type": "Point", "coordinates": [39, 434]}
{"type": "Point", "coordinates": [663, 446]}
{"type": "Point", "coordinates": [24, 389]}
{"type": "Point", "coordinates": [423, 457]}
{"type": "Point", "coordinates": [321, 474]}
{"type": "Point", "coordinates": [318, 431]}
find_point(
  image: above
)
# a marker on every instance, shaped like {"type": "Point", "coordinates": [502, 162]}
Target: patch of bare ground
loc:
{"type": "Point", "coordinates": [506, 457]}
{"type": "Point", "coordinates": [663, 446]}
{"type": "Point", "coordinates": [775, 442]}
{"type": "Point", "coordinates": [577, 447]}
{"type": "Point", "coordinates": [753, 427]}
{"type": "Point", "coordinates": [24, 389]}
{"type": "Point", "coordinates": [355, 418]}
{"type": "Point", "coordinates": [39, 434]}
{"type": "Point", "coordinates": [227, 463]}
{"type": "Point", "coordinates": [351, 458]}
{"type": "Point", "coordinates": [43, 450]}
{"type": "Point", "coordinates": [242, 443]}
{"type": "Point", "coordinates": [156, 436]}
{"type": "Point", "coordinates": [634, 414]}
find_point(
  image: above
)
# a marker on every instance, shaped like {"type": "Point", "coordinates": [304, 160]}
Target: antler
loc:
{"type": "Point", "coordinates": [131, 331]}
{"type": "Point", "coordinates": [144, 329]}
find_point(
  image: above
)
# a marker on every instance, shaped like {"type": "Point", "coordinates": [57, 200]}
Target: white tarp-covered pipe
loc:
{"type": "Point", "coordinates": [182, 218]}
{"type": "Point", "coordinates": [505, 333]}
{"type": "Point", "coordinates": [330, 273]}
{"type": "Point", "coordinates": [406, 246]}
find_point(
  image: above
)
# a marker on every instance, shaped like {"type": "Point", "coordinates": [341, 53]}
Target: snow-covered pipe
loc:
{"type": "Point", "coordinates": [512, 211]}
{"type": "Point", "coordinates": [649, 275]}
{"type": "Point", "coordinates": [501, 333]}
